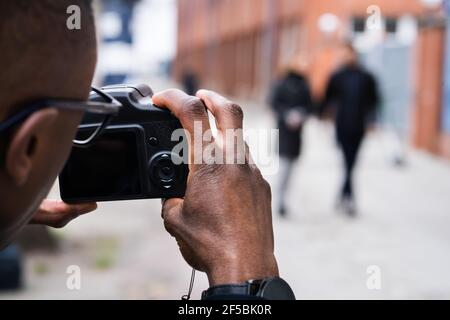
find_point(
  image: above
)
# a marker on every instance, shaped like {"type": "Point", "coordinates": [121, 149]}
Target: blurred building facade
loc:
{"type": "Point", "coordinates": [239, 47]}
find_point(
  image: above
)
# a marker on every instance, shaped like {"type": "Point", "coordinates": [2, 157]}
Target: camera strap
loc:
{"type": "Point", "coordinates": [191, 286]}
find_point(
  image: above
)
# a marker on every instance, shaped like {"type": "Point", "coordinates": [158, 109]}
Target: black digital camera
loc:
{"type": "Point", "coordinates": [132, 158]}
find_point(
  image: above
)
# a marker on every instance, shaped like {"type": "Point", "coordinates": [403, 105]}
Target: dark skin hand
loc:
{"type": "Point", "coordinates": [58, 214]}
{"type": "Point", "coordinates": [223, 226]}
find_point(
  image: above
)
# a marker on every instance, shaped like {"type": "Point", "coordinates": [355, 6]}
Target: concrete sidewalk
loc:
{"type": "Point", "coordinates": [402, 228]}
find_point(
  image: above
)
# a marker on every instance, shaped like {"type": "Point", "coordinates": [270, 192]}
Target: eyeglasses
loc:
{"type": "Point", "coordinates": [100, 108]}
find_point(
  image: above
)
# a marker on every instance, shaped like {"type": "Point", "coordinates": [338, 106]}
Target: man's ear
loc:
{"type": "Point", "coordinates": [24, 143]}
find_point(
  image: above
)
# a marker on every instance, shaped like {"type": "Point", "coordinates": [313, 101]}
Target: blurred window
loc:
{"type": "Point", "coordinates": [289, 42]}
{"type": "Point", "coordinates": [391, 25]}
{"type": "Point", "coordinates": [359, 24]}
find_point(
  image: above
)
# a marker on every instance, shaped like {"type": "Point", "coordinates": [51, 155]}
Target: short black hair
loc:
{"type": "Point", "coordinates": [36, 31]}
{"type": "Point", "coordinates": [34, 35]}
{"type": "Point", "coordinates": [23, 21]}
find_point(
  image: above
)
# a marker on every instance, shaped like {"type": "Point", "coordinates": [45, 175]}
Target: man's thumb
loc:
{"type": "Point", "coordinates": [171, 214]}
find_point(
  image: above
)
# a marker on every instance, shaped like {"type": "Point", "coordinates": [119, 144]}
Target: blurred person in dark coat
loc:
{"type": "Point", "coordinates": [352, 96]}
{"type": "Point", "coordinates": [190, 82]}
{"type": "Point", "coordinates": [291, 102]}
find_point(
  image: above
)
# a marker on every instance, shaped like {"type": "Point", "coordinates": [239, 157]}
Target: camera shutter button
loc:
{"type": "Point", "coordinates": [153, 141]}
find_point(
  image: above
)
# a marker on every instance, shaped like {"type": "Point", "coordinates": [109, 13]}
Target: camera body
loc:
{"type": "Point", "coordinates": [132, 159]}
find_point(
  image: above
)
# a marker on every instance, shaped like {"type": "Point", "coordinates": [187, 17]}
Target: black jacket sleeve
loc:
{"type": "Point", "coordinates": [277, 100]}
{"type": "Point", "coordinates": [373, 98]}
{"type": "Point", "coordinates": [330, 95]}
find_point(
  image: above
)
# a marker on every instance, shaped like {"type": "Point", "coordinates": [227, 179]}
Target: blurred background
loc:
{"type": "Point", "coordinates": [391, 241]}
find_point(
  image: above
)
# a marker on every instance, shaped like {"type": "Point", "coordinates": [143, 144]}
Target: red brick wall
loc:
{"type": "Point", "coordinates": [234, 46]}
{"type": "Point", "coordinates": [230, 25]}
{"type": "Point", "coordinates": [427, 123]}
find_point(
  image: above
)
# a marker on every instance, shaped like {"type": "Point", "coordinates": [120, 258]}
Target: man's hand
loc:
{"type": "Point", "coordinates": [57, 214]}
{"type": "Point", "coordinates": [223, 226]}
{"type": "Point", "coordinates": [294, 120]}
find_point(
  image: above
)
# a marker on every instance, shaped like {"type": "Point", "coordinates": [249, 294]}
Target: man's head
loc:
{"type": "Point", "coordinates": [348, 54]}
{"type": "Point", "coordinates": [41, 58]}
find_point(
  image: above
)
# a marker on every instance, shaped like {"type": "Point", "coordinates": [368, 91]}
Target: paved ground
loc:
{"type": "Point", "coordinates": [124, 252]}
